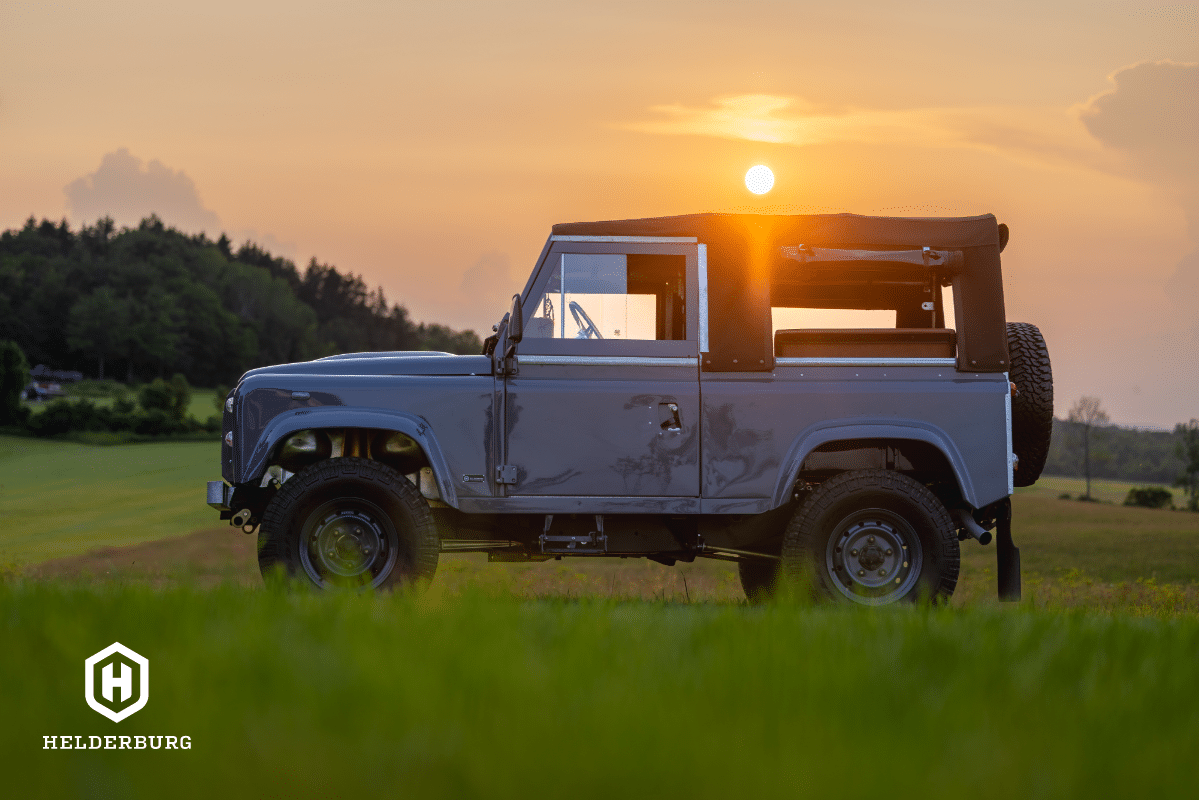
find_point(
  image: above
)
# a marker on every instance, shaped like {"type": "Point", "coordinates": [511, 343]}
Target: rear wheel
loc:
{"type": "Point", "coordinates": [872, 537]}
{"type": "Point", "coordinates": [349, 523]}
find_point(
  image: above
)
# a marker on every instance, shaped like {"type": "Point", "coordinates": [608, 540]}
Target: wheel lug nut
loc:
{"type": "Point", "coordinates": [882, 572]}
{"type": "Point", "coordinates": [871, 539]}
{"type": "Point", "coordinates": [861, 573]}
{"type": "Point", "coordinates": [888, 552]}
{"type": "Point", "coordinates": [853, 552]}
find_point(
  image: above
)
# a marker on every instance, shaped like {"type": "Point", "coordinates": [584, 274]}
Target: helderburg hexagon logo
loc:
{"type": "Point", "coordinates": [116, 681]}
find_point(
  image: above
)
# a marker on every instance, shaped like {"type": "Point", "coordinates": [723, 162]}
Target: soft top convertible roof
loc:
{"type": "Point", "coordinates": [743, 249]}
{"type": "Point", "coordinates": [843, 230]}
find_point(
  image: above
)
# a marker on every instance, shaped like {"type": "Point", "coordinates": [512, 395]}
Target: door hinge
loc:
{"type": "Point", "coordinates": [506, 474]}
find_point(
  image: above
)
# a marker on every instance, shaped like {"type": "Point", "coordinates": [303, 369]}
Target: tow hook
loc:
{"type": "Point", "coordinates": [245, 520]}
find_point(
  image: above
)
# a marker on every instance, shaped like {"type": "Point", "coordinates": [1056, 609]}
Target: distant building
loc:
{"type": "Point", "coordinates": [48, 382]}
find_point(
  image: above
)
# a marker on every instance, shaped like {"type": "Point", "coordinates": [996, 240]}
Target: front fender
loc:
{"type": "Point", "coordinates": [290, 422]}
{"type": "Point", "coordinates": [821, 433]}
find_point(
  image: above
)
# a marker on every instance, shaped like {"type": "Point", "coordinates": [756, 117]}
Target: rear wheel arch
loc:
{"type": "Point", "coordinates": [926, 455]}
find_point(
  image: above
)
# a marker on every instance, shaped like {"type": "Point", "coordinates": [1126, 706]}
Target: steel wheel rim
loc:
{"type": "Point", "coordinates": [349, 543]}
{"type": "Point", "coordinates": [874, 557]}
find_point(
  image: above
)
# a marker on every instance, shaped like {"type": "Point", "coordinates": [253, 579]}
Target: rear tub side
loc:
{"type": "Point", "coordinates": [449, 416]}
{"type": "Point", "coordinates": [759, 428]}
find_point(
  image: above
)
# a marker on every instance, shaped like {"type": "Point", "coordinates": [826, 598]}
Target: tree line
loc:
{"type": "Point", "coordinates": [151, 301]}
{"type": "Point", "coordinates": [1079, 447]}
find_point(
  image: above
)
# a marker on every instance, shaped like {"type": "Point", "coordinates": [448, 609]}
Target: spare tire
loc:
{"type": "Point", "coordinates": [1033, 406]}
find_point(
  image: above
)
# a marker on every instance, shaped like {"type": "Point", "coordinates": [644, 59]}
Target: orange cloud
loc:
{"type": "Point", "coordinates": [1150, 113]}
{"type": "Point", "coordinates": [1041, 134]}
{"type": "Point", "coordinates": [128, 190]}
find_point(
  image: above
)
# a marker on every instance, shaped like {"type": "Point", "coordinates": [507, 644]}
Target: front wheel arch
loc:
{"type": "Point", "coordinates": [336, 418]}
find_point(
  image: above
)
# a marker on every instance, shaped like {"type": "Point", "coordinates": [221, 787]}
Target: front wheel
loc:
{"type": "Point", "coordinates": [872, 537]}
{"type": "Point", "coordinates": [349, 523]}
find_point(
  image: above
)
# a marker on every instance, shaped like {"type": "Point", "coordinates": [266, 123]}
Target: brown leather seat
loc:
{"type": "Point", "coordinates": [866, 343]}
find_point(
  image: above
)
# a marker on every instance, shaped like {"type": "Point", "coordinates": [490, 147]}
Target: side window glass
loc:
{"type": "Point", "coordinates": [612, 296]}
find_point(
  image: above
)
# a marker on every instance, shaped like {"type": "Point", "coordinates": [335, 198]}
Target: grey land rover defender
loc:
{"type": "Point", "coordinates": [671, 388]}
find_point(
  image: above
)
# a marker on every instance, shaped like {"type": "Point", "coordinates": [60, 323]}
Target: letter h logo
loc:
{"type": "Point", "coordinates": [124, 681]}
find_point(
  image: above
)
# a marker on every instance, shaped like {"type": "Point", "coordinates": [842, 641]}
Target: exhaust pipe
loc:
{"type": "Point", "coordinates": [964, 519]}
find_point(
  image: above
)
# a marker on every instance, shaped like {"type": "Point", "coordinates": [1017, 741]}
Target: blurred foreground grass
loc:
{"type": "Point", "coordinates": [478, 694]}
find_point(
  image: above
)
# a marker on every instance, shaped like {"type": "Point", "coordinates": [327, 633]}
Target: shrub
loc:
{"type": "Point", "coordinates": [64, 416]}
{"type": "Point", "coordinates": [219, 396]}
{"type": "Point", "coordinates": [14, 374]}
{"type": "Point", "coordinates": [156, 422]}
{"type": "Point", "coordinates": [104, 388]}
{"type": "Point", "coordinates": [155, 396]}
{"type": "Point", "coordinates": [181, 396]}
{"type": "Point", "coordinates": [171, 397]}
{"type": "Point", "coordinates": [1149, 497]}
{"type": "Point", "coordinates": [67, 416]}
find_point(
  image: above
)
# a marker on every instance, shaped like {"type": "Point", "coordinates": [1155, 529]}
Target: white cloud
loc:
{"type": "Point", "coordinates": [129, 190]}
{"type": "Point", "coordinates": [1150, 116]}
{"type": "Point", "coordinates": [1150, 113]}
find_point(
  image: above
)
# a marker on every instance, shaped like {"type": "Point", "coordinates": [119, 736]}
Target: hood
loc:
{"type": "Point", "coordinates": [418, 362]}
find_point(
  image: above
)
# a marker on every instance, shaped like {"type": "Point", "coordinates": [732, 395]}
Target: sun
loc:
{"type": "Point", "coordinates": [760, 179]}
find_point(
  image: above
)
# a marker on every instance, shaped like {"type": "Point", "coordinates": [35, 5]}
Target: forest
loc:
{"type": "Point", "coordinates": [1122, 453]}
{"type": "Point", "coordinates": [147, 302]}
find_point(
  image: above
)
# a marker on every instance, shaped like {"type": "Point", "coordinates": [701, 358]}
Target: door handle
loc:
{"type": "Point", "coordinates": [669, 413]}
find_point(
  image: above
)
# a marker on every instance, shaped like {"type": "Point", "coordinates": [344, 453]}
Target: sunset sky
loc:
{"type": "Point", "coordinates": [429, 147]}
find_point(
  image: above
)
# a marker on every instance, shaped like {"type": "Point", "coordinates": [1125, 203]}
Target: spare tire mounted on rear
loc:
{"type": "Point", "coordinates": [1033, 405]}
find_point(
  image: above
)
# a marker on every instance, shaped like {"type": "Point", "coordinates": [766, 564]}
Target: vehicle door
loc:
{"type": "Point", "coordinates": [604, 399]}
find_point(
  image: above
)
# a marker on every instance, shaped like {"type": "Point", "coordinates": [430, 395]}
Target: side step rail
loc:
{"type": "Point", "coordinates": [594, 543]}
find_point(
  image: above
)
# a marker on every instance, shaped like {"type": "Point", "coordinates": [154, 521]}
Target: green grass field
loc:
{"type": "Point", "coordinates": [59, 498]}
{"type": "Point", "coordinates": [587, 678]}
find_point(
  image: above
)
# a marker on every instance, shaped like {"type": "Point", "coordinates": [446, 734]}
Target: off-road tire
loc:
{"type": "Point", "coordinates": [357, 504]}
{"type": "Point", "coordinates": [759, 579]}
{"type": "Point", "coordinates": [1033, 407]}
{"type": "Point", "coordinates": [912, 553]}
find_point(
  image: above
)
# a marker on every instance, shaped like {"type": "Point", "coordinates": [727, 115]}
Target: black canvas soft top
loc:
{"type": "Point", "coordinates": [743, 249]}
{"type": "Point", "coordinates": [842, 230]}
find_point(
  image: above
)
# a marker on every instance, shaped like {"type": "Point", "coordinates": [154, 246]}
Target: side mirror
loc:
{"type": "Point", "coordinates": [515, 324]}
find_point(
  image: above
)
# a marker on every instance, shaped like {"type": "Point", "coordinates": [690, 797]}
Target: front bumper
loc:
{"type": "Point", "coordinates": [220, 494]}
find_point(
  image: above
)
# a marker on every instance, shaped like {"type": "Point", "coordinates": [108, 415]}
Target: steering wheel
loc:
{"type": "Point", "coordinates": [588, 330]}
